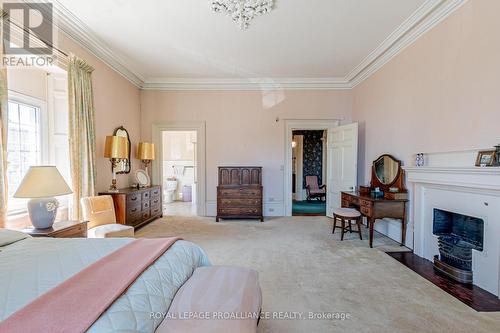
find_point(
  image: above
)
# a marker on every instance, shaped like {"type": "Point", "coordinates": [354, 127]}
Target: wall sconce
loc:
{"type": "Point", "coordinates": [116, 149]}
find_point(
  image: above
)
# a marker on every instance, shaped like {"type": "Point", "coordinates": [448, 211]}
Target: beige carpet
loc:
{"type": "Point", "coordinates": [304, 268]}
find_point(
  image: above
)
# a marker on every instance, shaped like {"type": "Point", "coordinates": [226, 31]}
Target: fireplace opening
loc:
{"type": "Point", "coordinates": [457, 235]}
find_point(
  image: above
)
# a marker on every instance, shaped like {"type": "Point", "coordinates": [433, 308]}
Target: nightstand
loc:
{"type": "Point", "coordinates": [61, 229]}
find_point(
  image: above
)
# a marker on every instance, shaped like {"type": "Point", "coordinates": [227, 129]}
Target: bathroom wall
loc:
{"type": "Point", "coordinates": [179, 158]}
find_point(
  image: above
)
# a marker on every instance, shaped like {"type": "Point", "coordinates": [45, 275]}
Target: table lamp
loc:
{"type": "Point", "coordinates": [146, 153]}
{"type": "Point", "coordinates": [116, 149]}
{"type": "Point", "coordinates": [41, 184]}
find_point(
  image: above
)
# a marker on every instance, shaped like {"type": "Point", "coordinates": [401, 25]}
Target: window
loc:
{"type": "Point", "coordinates": [37, 135]}
{"type": "Point", "coordinates": [23, 146]}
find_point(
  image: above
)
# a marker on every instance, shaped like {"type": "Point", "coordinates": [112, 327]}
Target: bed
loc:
{"type": "Point", "coordinates": [29, 267]}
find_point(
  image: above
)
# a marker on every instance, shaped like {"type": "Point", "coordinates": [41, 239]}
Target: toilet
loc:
{"type": "Point", "coordinates": [170, 190]}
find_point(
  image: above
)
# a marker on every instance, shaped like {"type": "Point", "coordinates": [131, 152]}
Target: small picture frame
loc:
{"type": "Point", "coordinates": [486, 158]}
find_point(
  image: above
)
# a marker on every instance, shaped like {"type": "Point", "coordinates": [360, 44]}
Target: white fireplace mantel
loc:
{"type": "Point", "coordinates": [472, 191]}
{"type": "Point", "coordinates": [485, 178]}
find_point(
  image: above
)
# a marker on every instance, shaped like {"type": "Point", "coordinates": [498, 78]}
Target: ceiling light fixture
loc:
{"type": "Point", "coordinates": [242, 11]}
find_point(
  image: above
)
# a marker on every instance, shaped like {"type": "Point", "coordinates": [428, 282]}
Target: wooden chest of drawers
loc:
{"type": "Point", "coordinates": [239, 194]}
{"type": "Point", "coordinates": [137, 207]}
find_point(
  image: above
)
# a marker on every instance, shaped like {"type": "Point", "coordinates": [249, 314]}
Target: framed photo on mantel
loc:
{"type": "Point", "coordinates": [486, 158]}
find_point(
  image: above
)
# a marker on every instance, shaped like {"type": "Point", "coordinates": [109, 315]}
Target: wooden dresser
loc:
{"type": "Point", "coordinates": [239, 194]}
{"type": "Point", "coordinates": [137, 207]}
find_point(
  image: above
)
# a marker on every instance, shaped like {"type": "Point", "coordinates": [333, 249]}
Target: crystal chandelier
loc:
{"type": "Point", "coordinates": [242, 11]}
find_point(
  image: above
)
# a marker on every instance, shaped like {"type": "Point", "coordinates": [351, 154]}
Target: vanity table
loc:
{"type": "Point", "coordinates": [388, 176]}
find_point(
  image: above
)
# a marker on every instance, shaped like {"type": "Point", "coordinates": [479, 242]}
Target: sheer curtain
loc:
{"type": "Point", "coordinates": [3, 143]}
{"type": "Point", "coordinates": [81, 133]}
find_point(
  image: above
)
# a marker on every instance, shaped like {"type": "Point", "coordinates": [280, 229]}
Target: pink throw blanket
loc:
{"type": "Point", "coordinates": [75, 304]}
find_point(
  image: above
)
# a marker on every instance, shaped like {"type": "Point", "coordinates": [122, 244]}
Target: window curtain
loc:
{"type": "Point", "coordinates": [81, 133]}
{"type": "Point", "coordinates": [4, 195]}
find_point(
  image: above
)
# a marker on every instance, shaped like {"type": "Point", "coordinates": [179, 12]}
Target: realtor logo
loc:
{"type": "Point", "coordinates": [24, 23]}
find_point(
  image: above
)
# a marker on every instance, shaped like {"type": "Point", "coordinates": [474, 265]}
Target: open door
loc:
{"type": "Point", "coordinates": [342, 163]}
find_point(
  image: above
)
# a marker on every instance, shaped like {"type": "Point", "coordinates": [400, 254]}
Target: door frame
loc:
{"type": "Point", "coordinates": [290, 126]}
{"type": "Point", "coordinates": [299, 172]}
{"type": "Point", "coordinates": [157, 170]}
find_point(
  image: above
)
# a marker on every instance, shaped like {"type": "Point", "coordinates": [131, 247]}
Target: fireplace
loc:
{"type": "Point", "coordinates": [457, 235]}
{"type": "Point", "coordinates": [450, 185]}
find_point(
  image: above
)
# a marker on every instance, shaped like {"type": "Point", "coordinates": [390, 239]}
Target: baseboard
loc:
{"type": "Point", "coordinates": [392, 229]}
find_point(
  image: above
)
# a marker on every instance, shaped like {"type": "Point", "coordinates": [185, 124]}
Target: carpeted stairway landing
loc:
{"type": "Point", "coordinates": [304, 268]}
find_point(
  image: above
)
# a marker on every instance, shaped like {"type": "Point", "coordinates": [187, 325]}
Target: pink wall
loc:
{"type": "Point", "coordinates": [241, 127]}
{"type": "Point", "coordinates": [116, 102]}
{"type": "Point", "coordinates": [440, 94]}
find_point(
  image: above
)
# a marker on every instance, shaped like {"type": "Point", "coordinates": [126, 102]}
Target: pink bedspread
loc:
{"type": "Point", "coordinates": [74, 305]}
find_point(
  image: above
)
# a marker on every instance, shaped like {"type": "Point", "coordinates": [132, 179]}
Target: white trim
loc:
{"type": "Point", "coordinates": [83, 35]}
{"type": "Point", "coordinates": [292, 125]}
{"type": "Point", "coordinates": [459, 170]}
{"type": "Point", "coordinates": [23, 99]}
{"type": "Point", "coordinates": [157, 169]}
{"type": "Point", "coordinates": [459, 182]}
{"type": "Point", "coordinates": [246, 84]}
{"type": "Point", "coordinates": [467, 177]}
{"type": "Point", "coordinates": [427, 16]}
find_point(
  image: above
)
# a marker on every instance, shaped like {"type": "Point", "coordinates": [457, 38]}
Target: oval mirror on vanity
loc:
{"type": "Point", "coordinates": [386, 169]}
{"type": "Point", "coordinates": [387, 174]}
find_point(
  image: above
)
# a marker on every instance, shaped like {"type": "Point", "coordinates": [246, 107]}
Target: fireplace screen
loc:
{"type": "Point", "coordinates": [457, 235]}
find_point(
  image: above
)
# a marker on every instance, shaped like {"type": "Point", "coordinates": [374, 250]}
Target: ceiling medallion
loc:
{"type": "Point", "coordinates": [242, 11]}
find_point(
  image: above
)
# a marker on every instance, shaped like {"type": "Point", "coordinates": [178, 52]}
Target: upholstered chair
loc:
{"type": "Point", "coordinates": [314, 191]}
{"type": "Point", "coordinates": [100, 213]}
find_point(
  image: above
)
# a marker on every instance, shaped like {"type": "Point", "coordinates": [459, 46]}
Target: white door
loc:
{"type": "Point", "coordinates": [342, 163]}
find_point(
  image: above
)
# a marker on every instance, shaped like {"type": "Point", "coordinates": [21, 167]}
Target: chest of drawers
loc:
{"type": "Point", "coordinates": [239, 194]}
{"type": "Point", "coordinates": [137, 207]}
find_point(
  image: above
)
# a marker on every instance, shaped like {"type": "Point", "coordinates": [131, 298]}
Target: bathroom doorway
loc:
{"type": "Point", "coordinates": [179, 161]}
{"type": "Point", "coordinates": [163, 169]}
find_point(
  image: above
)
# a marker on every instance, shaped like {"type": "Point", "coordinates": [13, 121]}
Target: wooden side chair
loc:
{"type": "Point", "coordinates": [314, 191]}
{"type": "Point", "coordinates": [347, 217]}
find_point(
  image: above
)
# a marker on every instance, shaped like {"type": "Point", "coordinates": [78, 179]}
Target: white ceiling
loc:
{"type": "Point", "coordinates": [299, 39]}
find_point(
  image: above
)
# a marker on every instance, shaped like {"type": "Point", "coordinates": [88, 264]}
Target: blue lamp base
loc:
{"type": "Point", "coordinates": [42, 212]}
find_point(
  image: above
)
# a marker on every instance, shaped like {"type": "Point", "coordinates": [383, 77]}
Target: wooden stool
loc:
{"type": "Point", "coordinates": [347, 217]}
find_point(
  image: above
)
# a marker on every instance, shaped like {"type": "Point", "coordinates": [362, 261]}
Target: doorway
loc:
{"type": "Point", "coordinates": [179, 178]}
{"type": "Point", "coordinates": [341, 146]}
{"type": "Point", "coordinates": [309, 172]}
{"type": "Point", "coordinates": [181, 168]}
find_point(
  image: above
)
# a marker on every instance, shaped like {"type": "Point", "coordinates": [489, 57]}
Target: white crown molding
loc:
{"type": "Point", "coordinates": [83, 35]}
{"type": "Point", "coordinates": [246, 84]}
{"type": "Point", "coordinates": [427, 16]}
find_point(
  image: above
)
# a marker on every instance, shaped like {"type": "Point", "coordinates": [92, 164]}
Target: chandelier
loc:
{"type": "Point", "coordinates": [242, 11]}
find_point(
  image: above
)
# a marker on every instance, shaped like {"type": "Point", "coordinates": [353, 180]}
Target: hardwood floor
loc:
{"type": "Point", "coordinates": [475, 297]}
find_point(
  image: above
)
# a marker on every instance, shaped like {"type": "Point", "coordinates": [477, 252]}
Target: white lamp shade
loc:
{"type": "Point", "coordinates": [42, 182]}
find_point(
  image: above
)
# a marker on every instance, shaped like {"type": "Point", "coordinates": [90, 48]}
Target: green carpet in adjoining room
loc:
{"type": "Point", "coordinates": [309, 207]}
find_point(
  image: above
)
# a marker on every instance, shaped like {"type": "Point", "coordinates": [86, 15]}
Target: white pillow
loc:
{"type": "Point", "coordinates": [11, 236]}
